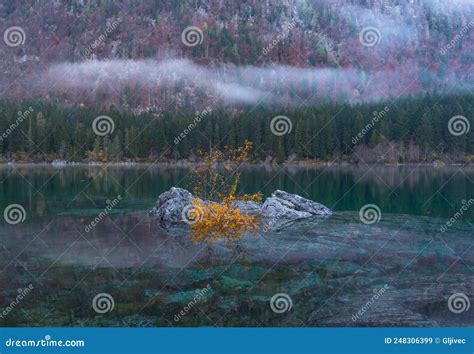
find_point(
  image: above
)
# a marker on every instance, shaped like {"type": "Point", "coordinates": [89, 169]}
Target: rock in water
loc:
{"type": "Point", "coordinates": [292, 206]}
{"type": "Point", "coordinates": [282, 206]}
{"type": "Point", "coordinates": [169, 206]}
{"type": "Point", "coordinates": [248, 207]}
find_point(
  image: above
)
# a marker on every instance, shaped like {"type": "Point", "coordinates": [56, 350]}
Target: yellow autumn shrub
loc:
{"type": "Point", "coordinates": [221, 221]}
{"type": "Point", "coordinates": [217, 180]}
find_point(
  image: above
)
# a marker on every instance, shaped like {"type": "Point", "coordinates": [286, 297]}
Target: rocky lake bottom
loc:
{"type": "Point", "coordinates": [398, 272]}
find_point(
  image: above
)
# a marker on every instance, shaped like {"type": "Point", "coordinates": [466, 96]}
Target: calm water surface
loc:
{"type": "Point", "coordinates": [48, 191]}
{"type": "Point", "coordinates": [330, 269]}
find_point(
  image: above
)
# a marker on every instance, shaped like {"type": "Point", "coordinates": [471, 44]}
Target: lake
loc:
{"type": "Point", "coordinates": [399, 271]}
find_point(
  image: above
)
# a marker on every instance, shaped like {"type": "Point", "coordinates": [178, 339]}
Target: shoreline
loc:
{"type": "Point", "coordinates": [188, 164]}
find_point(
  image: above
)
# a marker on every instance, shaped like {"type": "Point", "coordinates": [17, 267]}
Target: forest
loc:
{"type": "Point", "coordinates": [406, 130]}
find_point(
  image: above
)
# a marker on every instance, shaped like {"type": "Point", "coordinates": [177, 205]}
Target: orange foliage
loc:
{"type": "Point", "coordinates": [221, 218]}
{"type": "Point", "coordinates": [221, 221]}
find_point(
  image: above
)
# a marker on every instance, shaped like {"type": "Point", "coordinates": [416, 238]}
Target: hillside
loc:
{"type": "Point", "coordinates": [135, 55]}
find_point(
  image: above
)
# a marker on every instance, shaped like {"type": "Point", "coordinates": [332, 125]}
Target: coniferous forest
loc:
{"type": "Point", "coordinates": [408, 130]}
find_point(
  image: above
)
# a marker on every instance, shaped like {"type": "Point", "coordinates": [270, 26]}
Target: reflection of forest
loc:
{"type": "Point", "coordinates": [411, 176]}
{"type": "Point", "coordinates": [421, 190]}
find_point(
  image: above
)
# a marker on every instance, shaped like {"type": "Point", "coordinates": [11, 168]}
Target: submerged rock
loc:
{"type": "Point", "coordinates": [280, 209]}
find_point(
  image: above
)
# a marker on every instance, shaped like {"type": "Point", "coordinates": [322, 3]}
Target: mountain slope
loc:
{"type": "Point", "coordinates": [274, 52]}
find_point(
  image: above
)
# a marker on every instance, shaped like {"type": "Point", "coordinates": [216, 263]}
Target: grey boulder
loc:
{"type": "Point", "coordinates": [169, 207]}
{"type": "Point", "coordinates": [292, 206]}
{"type": "Point", "coordinates": [281, 208]}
